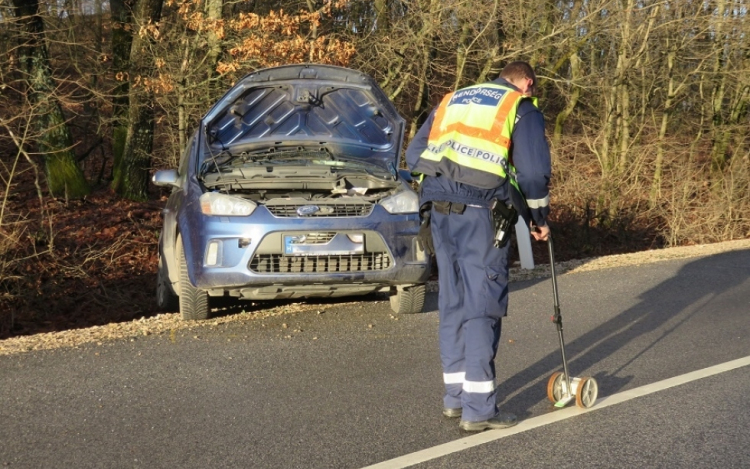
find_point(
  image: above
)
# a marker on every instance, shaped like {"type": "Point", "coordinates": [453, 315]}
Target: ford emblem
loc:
{"type": "Point", "coordinates": [306, 210]}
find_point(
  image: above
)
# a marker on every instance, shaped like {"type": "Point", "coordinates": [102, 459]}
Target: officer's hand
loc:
{"type": "Point", "coordinates": [540, 233]}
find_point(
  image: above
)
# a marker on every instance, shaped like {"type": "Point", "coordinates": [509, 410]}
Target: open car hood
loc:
{"type": "Point", "coordinates": [320, 106]}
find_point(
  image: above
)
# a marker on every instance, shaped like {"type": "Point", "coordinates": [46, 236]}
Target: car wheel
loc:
{"type": "Point", "coordinates": [166, 300]}
{"type": "Point", "coordinates": [408, 300]}
{"type": "Point", "coordinates": [193, 301]}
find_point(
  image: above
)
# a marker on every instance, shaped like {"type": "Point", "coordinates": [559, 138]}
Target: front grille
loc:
{"type": "Point", "coordinates": [329, 210]}
{"type": "Point", "coordinates": [280, 264]}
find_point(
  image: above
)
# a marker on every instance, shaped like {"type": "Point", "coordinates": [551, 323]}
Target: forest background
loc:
{"type": "Point", "coordinates": [646, 104]}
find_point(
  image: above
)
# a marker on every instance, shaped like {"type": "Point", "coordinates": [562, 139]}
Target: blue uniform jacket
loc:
{"type": "Point", "coordinates": [529, 153]}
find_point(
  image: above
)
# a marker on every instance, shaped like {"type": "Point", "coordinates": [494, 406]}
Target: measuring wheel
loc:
{"type": "Point", "coordinates": [561, 387]}
{"type": "Point", "coordinates": [586, 392]}
{"type": "Point", "coordinates": [555, 386]}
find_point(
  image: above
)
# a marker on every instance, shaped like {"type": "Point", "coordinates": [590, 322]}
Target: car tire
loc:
{"type": "Point", "coordinates": [193, 301]}
{"type": "Point", "coordinates": [166, 299]}
{"type": "Point", "coordinates": [408, 300]}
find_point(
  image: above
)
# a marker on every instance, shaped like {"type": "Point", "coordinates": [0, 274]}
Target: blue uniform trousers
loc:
{"type": "Point", "coordinates": [473, 297]}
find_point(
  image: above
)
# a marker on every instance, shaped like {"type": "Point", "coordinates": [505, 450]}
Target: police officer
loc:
{"type": "Point", "coordinates": [482, 144]}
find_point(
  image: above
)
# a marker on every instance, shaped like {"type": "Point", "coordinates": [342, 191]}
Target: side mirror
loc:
{"type": "Point", "coordinates": [166, 178]}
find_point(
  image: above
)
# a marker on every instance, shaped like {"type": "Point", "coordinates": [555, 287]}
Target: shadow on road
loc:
{"type": "Point", "coordinates": [684, 295]}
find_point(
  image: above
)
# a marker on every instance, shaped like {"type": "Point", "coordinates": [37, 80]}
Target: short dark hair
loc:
{"type": "Point", "coordinates": [518, 71]}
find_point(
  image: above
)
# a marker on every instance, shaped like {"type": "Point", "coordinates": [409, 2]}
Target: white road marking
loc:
{"type": "Point", "coordinates": [555, 416]}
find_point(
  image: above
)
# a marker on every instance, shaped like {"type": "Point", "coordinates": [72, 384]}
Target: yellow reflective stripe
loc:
{"type": "Point", "coordinates": [472, 142]}
{"type": "Point", "coordinates": [468, 156]}
{"type": "Point", "coordinates": [465, 145]}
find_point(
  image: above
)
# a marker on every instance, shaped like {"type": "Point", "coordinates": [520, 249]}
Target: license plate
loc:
{"type": "Point", "coordinates": [340, 245]}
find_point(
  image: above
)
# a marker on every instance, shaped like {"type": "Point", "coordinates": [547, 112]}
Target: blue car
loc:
{"type": "Point", "coordinates": [290, 188]}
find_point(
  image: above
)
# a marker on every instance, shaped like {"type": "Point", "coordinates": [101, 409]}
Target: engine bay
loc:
{"type": "Point", "coordinates": [301, 176]}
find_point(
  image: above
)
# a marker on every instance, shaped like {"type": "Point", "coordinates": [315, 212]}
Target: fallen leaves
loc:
{"type": "Point", "coordinates": [101, 266]}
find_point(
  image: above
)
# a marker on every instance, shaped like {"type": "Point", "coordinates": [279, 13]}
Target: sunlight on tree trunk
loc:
{"type": "Point", "coordinates": [720, 134]}
{"type": "Point", "coordinates": [54, 140]}
{"type": "Point", "coordinates": [562, 116]}
{"type": "Point", "coordinates": [133, 171]}
{"type": "Point", "coordinates": [122, 40]}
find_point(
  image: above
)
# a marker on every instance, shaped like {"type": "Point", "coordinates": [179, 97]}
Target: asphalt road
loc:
{"type": "Point", "coordinates": [353, 386]}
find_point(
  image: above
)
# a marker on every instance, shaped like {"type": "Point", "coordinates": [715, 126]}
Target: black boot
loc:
{"type": "Point", "coordinates": [501, 420]}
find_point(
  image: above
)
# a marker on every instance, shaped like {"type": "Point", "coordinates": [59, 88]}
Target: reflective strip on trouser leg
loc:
{"type": "Point", "coordinates": [479, 387]}
{"type": "Point", "coordinates": [472, 297]}
{"type": "Point", "coordinates": [479, 397]}
{"type": "Point", "coordinates": [454, 378]}
{"type": "Point", "coordinates": [454, 383]}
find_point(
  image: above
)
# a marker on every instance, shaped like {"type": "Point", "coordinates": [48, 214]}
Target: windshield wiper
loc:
{"type": "Point", "coordinates": [369, 167]}
{"type": "Point", "coordinates": [213, 163]}
{"type": "Point", "coordinates": [290, 155]}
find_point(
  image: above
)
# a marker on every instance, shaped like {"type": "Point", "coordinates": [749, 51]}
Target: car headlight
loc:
{"type": "Point", "coordinates": [213, 203]}
{"type": "Point", "coordinates": [403, 202]}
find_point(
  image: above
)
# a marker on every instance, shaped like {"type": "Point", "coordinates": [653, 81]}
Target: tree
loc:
{"type": "Point", "coordinates": [122, 41]}
{"type": "Point", "coordinates": [53, 138]}
{"type": "Point", "coordinates": [132, 173]}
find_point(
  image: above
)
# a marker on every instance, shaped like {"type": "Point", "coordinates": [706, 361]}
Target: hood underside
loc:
{"type": "Point", "coordinates": [340, 110]}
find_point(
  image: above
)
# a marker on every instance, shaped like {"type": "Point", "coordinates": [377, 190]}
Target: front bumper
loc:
{"type": "Point", "coordinates": [243, 248]}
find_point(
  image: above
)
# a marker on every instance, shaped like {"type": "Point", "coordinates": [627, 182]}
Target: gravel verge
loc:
{"type": "Point", "coordinates": [170, 323]}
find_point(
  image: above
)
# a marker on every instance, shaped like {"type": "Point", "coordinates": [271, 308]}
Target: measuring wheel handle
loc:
{"type": "Point", "coordinates": [586, 393]}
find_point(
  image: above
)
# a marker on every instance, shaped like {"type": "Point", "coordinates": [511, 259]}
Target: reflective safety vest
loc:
{"type": "Point", "coordinates": [470, 136]}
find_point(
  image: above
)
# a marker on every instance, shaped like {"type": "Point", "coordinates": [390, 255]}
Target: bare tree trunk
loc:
{"type": "Point", "coordinates": [313, 32]}
{"type": "Point", "coordinates": [655, 193]}
{"type": "Point", "coordinates": [182, 86]}
{"type": "Point", "coordinates": [98, 27]}
{"type": "Point", "coordinates": [427, 36]}
{"type": "Point", "coordinates": [639, 38]}
{"type": "Point", "coordinates": [718, 150]}
{"type": "Point", "coordinates": [605, 159]}
{"type": "Point", "coordinates": [421, 102]}
{"type": "Point", "coordinates": [623, 127]}
{"type": "Point", "coordinates": [214, 10]}
{"type": "Point", "coordinates": [122, 40]}
{"type": "Point", "coordinates": [382, 11]}
{"type": "Point", "coordinates": [136, 156]}
{"type": "Point", "coordinates": [575, 73]}
{"type": "Point", "coordinates": [674, 44]}
{"type": "Point", "coordinates": [548, 17]}
{"type": "Point", "coordinates": [54, 140]}
{"type": "Point", "coordinates": [461, 54]}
